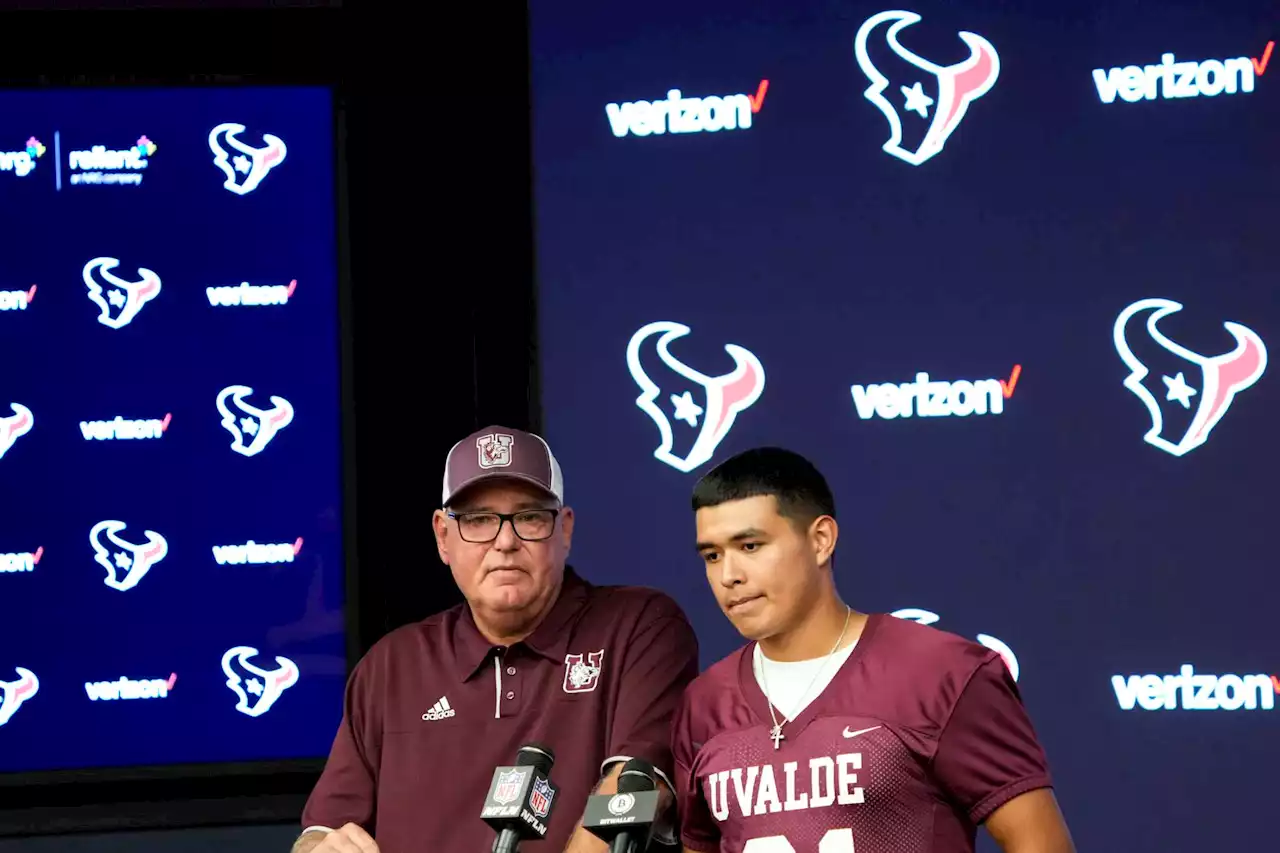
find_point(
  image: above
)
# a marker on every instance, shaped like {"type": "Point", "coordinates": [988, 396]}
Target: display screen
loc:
{"type": "Point", "coordinates": [171, 552]}
{"type": "Point", "coordinates": [1006, 273]}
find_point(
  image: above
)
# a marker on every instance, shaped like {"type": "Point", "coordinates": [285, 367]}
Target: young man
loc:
{"type": "Point", "coordinates": [834, 730]}
{"type": "Point", "coordinates": [535, 654]}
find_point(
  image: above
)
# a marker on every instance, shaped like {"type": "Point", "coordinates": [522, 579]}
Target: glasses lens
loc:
{"type": "Point", "coordinates": [532, 525]}
{"type": "Point", "coordinates": [535, 524]}
{"type": "Point", "coordinates": [478, 526]}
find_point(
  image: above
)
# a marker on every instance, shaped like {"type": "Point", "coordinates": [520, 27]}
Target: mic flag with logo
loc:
{"type": "Point", "coordinates": [693, 411]}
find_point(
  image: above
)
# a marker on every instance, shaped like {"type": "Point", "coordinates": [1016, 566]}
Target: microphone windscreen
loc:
{"type": "Point", "coordinates": [637, 775]}
{"type": "Point", "coordinates": [536, 755]}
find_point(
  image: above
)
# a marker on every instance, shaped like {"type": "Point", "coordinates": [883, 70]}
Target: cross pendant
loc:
{"type": "Point", "coordinates": [777, 735]}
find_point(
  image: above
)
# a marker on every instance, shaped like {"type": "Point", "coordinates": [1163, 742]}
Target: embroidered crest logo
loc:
{"type": "Point", "coordinates": [494, 450]}
{"type": "Point", "coordinates": [582, 676]}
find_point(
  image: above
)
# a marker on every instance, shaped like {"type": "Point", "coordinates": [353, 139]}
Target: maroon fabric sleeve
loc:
{"type": "Point", "coordinates": [988, 753]}
{"type": "Point", "coordinates": [660, 661]}
{"type": "Point", "coordinates": [347, 789]}
{"type": "Point", "coordinates": [698, 829]}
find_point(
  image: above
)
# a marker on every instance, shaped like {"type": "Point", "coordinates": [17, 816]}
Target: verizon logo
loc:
{"type": "Point", "coordinates": [931, 398]}
{"type": "Point", "coordinates": [678, 114]}
{"type": "Point", "coordinates": [21, 561]}
{"type": "Point", "coordinates": [1171, 79]}
{"type": "Point", "coordinates": [1193, 691]}
{"type": "Point", "coordinates": [17, 300]}
{"type": "Point", "coordinates": [120, 429]}
{"type": "Point", "coordinates": [247, 294]}
{"type": "Point", "coordinates": [128, 688]}
{"type": "Point", "coordinates": [257, 553]}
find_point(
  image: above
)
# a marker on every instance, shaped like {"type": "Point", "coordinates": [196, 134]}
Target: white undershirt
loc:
{"type": "Point", "coordinates": [785, 682]}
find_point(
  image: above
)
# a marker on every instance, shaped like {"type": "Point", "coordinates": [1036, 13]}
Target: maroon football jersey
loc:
{"type": "Point", "coordinates": [919, 737]}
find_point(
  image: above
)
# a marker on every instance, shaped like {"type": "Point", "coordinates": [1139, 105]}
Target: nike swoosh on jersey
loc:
{"type": "Point", "coordinates": [849, 734]}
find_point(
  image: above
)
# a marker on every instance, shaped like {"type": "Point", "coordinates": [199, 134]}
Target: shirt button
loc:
{"type": "Point", "coordinates": [511, 694]}
{"type": "Point", "coordinates": [511, 670]}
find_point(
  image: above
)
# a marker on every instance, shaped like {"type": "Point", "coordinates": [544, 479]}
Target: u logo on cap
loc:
{"type": "Point", "coordinates": [494, 450]}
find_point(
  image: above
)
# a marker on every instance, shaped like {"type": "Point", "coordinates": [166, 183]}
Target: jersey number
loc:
{"type": "Point", "coordinates": [835, 841]}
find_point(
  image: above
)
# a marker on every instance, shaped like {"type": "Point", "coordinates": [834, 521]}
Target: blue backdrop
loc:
{"type": "Point", "coordinates": [1065, 220]}
{"type": "Point", "coordinates": [170, 519]}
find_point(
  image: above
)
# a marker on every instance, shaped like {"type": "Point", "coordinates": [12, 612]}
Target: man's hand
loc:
{"type": "Point", "coordinates": [582, 841]}
{"type": "Point", "coordinates": [350, 839]}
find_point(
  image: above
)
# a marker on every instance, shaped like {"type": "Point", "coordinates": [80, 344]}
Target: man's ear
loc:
{"type": "Point", "coordinates": [440, 525]}
{"type": "Point", "coordinates": [566, 527]}
{"type": "Point", "coordinates": [823, 534]}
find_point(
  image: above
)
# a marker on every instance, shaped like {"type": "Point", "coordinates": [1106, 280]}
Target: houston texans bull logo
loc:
{"type": "Point", "coordinates": [934, 98]}
{"type": "Point", "coordinates": [1193, 391]}
{"type": "Point", "coordinates": [242, 419]}
{"type": "Point", "coordinates": [928, 617]}
{"type": "Point", "coordinates": [244, 166]}
{"type": "Point", "coordinates": [118, 301]}
{"type": "Point", "coordinates": [14, 693]}
{"type": "Point", "coordinates": [708, 405]}
{"type": "Point", "coordinates": [13, 427]}
{"type": "Point", "coordinates": [257, 688]}
{"type": "Point", "coordinates": [126, 563]}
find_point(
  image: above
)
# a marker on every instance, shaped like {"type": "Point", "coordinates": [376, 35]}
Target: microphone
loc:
{"type": "Point", "coordinates": [518, 805]}
{"type": "Point", "coordinates": [625, 819]}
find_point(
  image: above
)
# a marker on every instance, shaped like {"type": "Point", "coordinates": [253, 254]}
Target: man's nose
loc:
{"type": "Point", "coordinates": [731, 573]}
{"type": "Point", "coordinates": [506, 539]}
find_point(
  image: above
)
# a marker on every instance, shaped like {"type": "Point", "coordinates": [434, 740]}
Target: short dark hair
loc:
{"type": "Point", "coordinates": [798, 486]}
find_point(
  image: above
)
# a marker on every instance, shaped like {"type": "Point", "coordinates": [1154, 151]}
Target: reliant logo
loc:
{"type": "Point", "coordinates": [678, 114]}
{"type": "Point", "coordinates": [100, 165]}
{"type": "Point", "coordinates": [23, 561]}
{"type": "Point", "coordinates": [1188, 79]}
{"type": "Point", "coordinates": [257, 553]}
{"type": "Point", "coordinates": [247, 294]}
{"type": "Point", "coordinates": [128, 688]}
{"type": "Point", "coordinates": [929, 398]}
{"type": "Point", "coordinates": [1192, 691]}
{"type": "Point", "coordinates": [124, 428]}
{"type": "Point", "coordinates": [22, 163]}
{"type": "Point", "coordinates": [17, 300]}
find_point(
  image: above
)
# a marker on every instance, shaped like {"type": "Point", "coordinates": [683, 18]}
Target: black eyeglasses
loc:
{"type": "Point", "coordinates": [531, 525]}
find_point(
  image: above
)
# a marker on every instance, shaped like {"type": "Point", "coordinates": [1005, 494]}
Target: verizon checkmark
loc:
{"type": "Point", "coordinates": [35, 558]}
{"type": "Point", "coordinates": [31, 294]}
{"type": "Point", "coordinates": [757, 100]}
{"type": "Point", "coordinates": [1007, 385]}
{"type": "Point", "coordinates": [1260, 66]}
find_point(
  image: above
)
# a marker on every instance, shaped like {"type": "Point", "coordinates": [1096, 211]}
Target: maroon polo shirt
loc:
{"type": "Point", "coordinates": [434, 707]}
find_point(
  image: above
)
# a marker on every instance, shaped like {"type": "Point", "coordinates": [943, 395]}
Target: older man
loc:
{"type": "Point", "coordinates": [536, 654]}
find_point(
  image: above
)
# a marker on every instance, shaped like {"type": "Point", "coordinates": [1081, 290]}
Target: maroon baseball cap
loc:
{"type": "Point", "coordinates": [500, 452]}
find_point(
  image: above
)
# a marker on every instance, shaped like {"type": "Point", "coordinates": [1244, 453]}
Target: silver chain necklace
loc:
{"type": "Point", "coordinates": [776, 733]}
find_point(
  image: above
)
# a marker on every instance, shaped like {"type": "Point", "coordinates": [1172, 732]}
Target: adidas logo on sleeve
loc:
{"type": "Point", "coordinates": [440, 711]}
